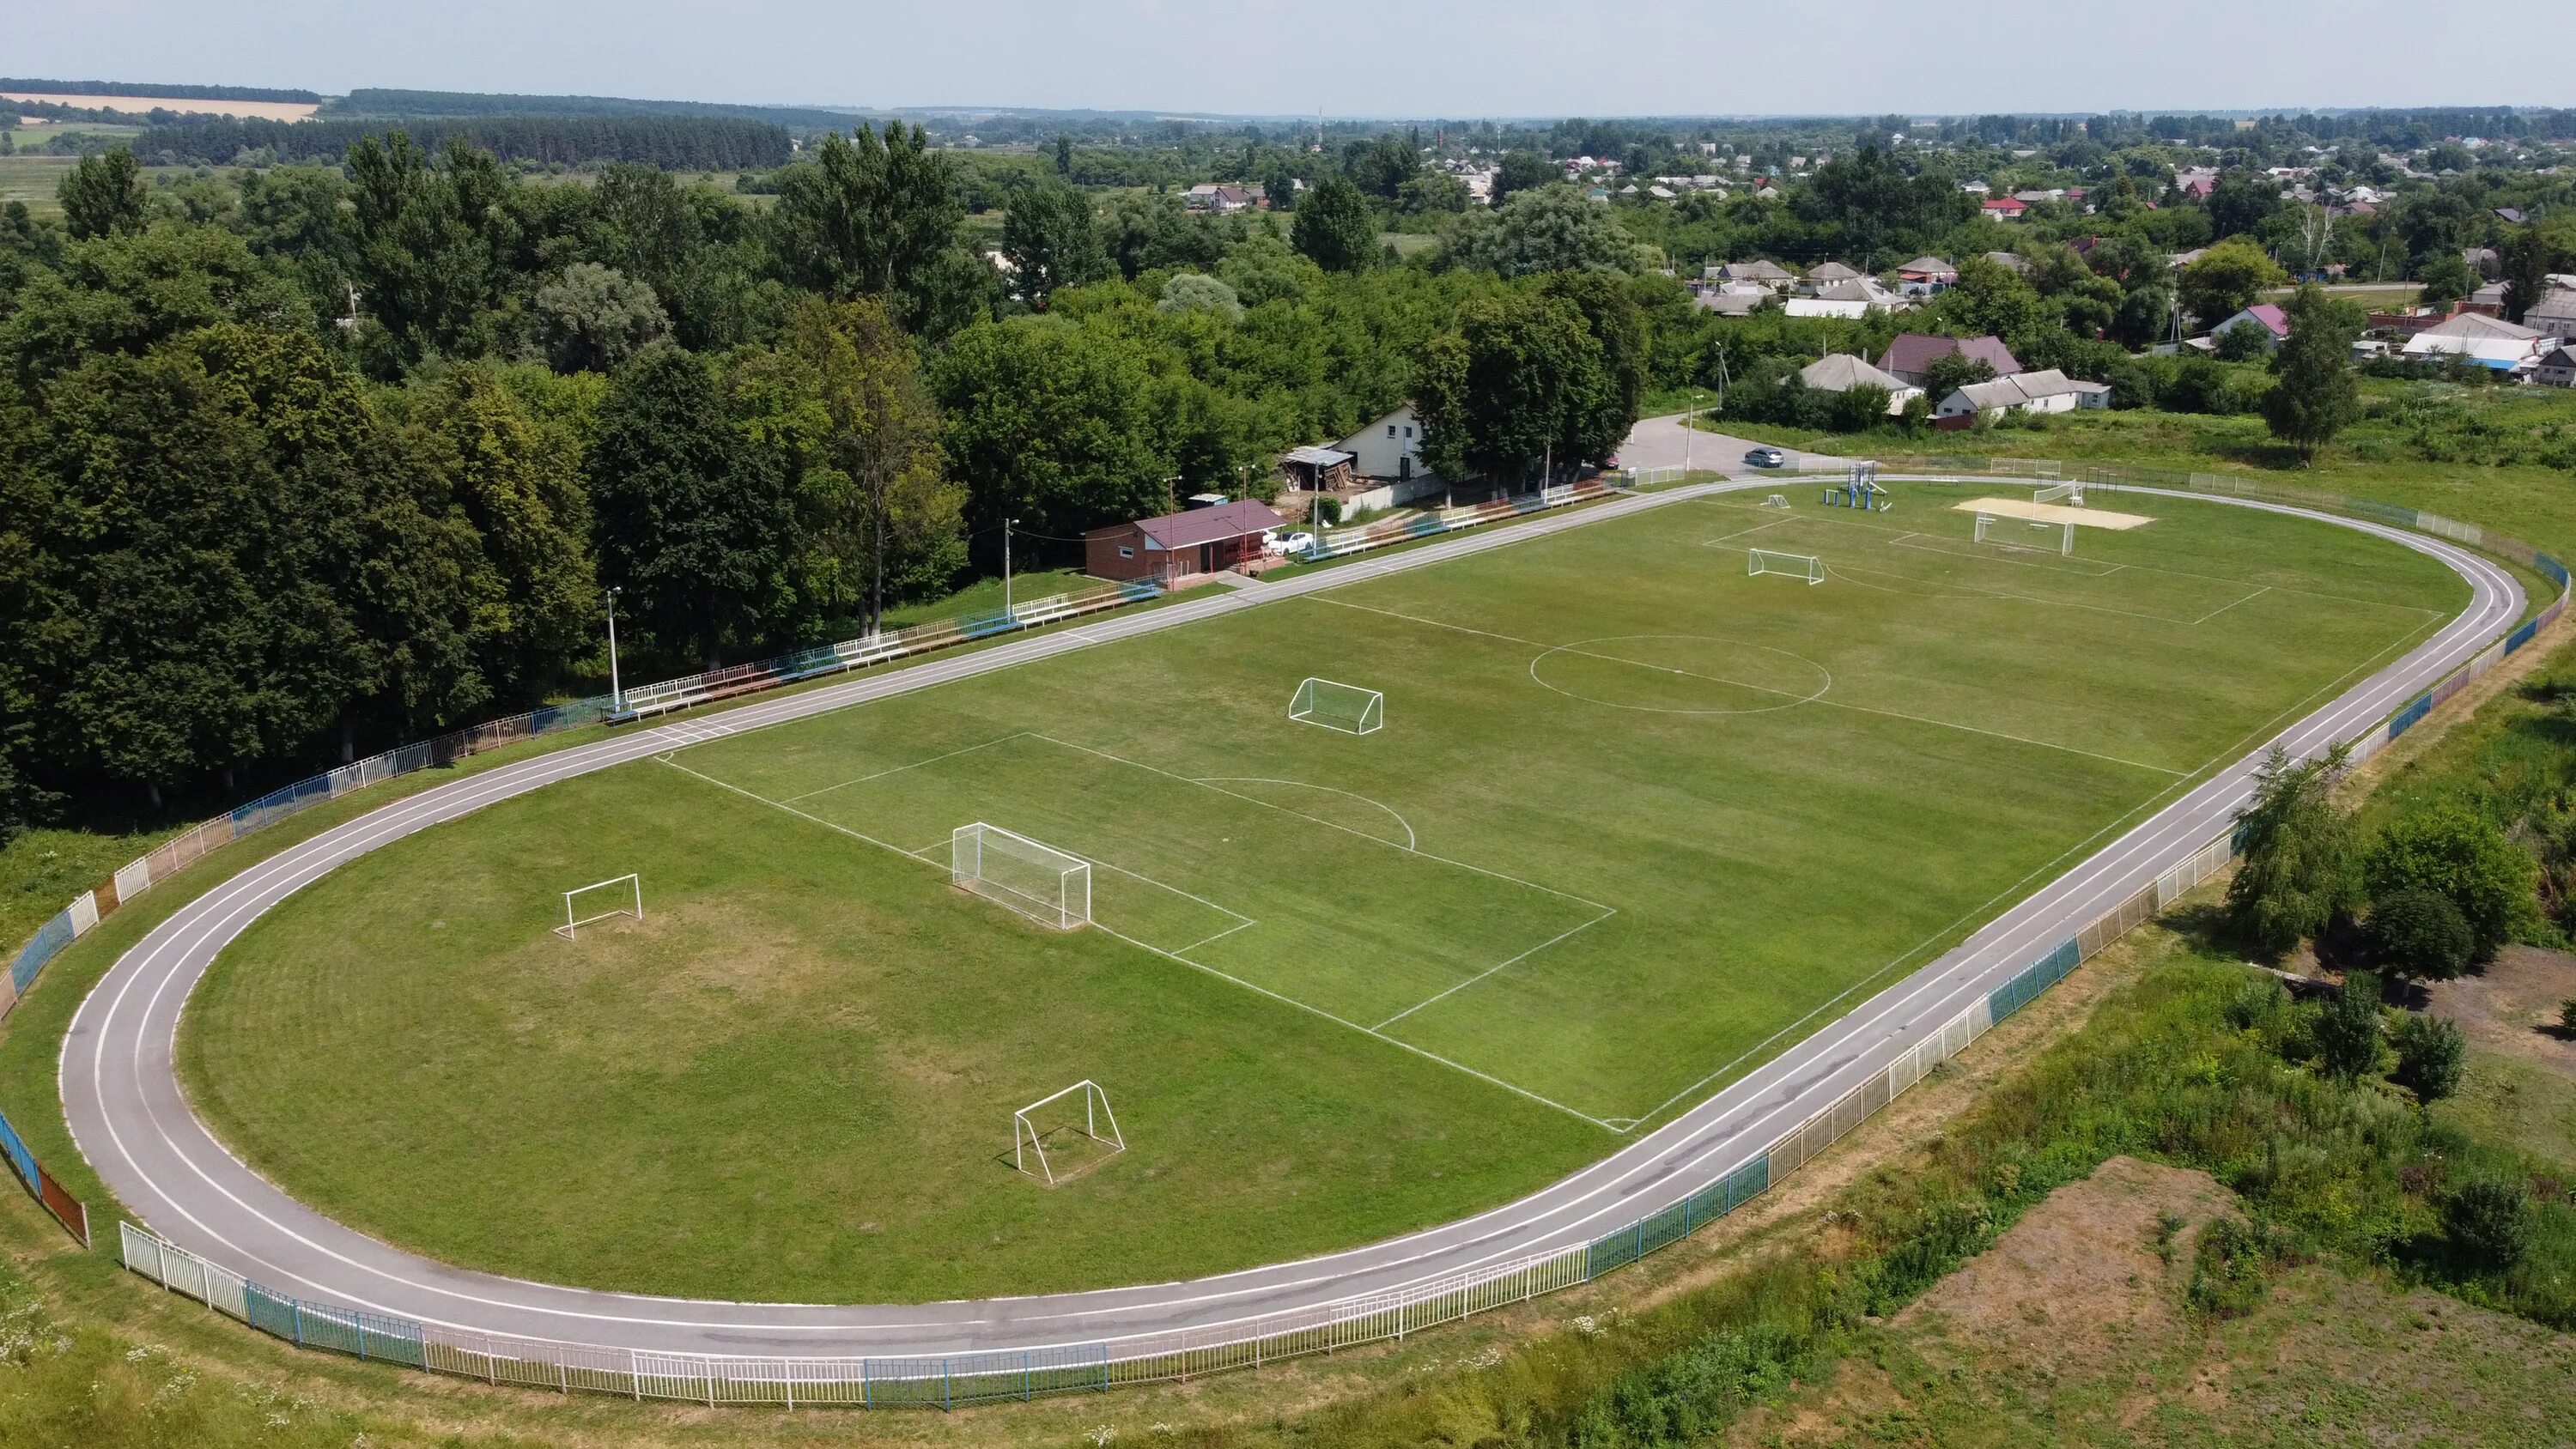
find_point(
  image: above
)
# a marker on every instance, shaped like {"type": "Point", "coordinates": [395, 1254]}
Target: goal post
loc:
{"type": "Point", "coordinates": [2029, 534]}
{"type": "Point", "coordinates": [2071, 494]}
{"type": "Point", "coordinates": [1028, 1139]}
{"type": "Point", "coordinates": [1037, 880]}
{"type": "Point", "coordinates": [617, 896]}
{"type": "Point", "coordinates": [1344, 707]}
{"type": "Point", "coordinates": [1760, 561]}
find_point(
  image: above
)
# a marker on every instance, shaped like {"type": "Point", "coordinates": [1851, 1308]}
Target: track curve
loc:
{"type": "Point", "coordinates": [130, 1117]}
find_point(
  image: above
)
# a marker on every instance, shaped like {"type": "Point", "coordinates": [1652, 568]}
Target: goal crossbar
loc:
{"type": "Point", "coordinates": [1049, 886]}
{"type": "Point", "coordinates": [574, 920]}
{"type": "Point", "coordinates": [2069, 493]}
{"type": "Point", "coordinates": [1337, 706]}
{"type": "Point", "coordinates": [1027, 1140]}
{"type": "Point", "coordinates": [2000, 532]}
{"type": "Point", "coordinates": [1760, 561]}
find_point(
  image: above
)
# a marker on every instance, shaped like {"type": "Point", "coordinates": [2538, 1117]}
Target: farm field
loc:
{"type": "Point", "coordinates": [1635, 822]}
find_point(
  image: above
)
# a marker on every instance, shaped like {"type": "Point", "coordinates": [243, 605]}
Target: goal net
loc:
{"type": "Point", "coordinates": [2068, 493]}
{"type": "Point", "coordinates": [1759, 561]}
{"type": "Point", "coordinates": [1052, 1118]}
{"type": "Point", "coordinates": [621, 896]}
{"type": "Point", "coordinates": [1344, 707]}
{"type": "Point", "coordinates": [2026, 533]}
{"type": "Point", "coordinates": [1038, 881]}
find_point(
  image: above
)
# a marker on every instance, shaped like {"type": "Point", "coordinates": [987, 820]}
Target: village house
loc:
{"type": "Point", "coordinates": [2045, 391]}
{"type": "Point", "coordinates": [1911, 355]}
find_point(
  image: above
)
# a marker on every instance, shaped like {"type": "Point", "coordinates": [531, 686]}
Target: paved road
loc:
{"type": "Point", "coordinates": [1664, 443]}
{"type": "Point", "coordinates": [130, 1118]}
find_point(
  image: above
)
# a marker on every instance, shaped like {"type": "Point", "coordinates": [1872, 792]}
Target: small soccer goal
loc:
{"type": "Point", "coordinates": [621, 896]}
{"type": "Point", "coordinates": [1034, 1124]}
{"type": "Point", "coordinates": [2068, 493]}
{"type": "Point", "coordinates": [1035, 879]}
{"type": "Point", "coordinates": [1760, 561]}
{"type": "Point", "coordinates": [1344, 707]}
{"type": "Point", "coordinates": [2029, 534]}
{"type": "Point", "coordinates": [1775, 501]}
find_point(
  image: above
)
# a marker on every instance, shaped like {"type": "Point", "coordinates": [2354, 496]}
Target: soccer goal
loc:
{"type": "Point", "coordinates": [1038, 881]}
{"type": "Point", "coordinates": [622, 896]}
{"type": "Point", "coordinates": [1759, 561]}
{"type": "Point", "coordinates": [2068, 493]}
{"type": "Point", "coordinates": [1344, 707]}
{"type": "Point", "coordinates": [1029, 1139]}
{"type": "Point", "coordinates": [2025, 533]}
{"type": "Point", "coordinates": [1775, 501]}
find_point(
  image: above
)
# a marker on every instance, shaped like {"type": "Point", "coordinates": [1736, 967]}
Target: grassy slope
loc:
{"type": "Point", "coordinates": [810, 1031]}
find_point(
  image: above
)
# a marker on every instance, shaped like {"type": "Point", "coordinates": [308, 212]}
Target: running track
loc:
{"type": "Point", "coordinates": [129, 1116]}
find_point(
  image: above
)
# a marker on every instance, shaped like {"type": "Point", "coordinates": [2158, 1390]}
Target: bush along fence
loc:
{"type": "Point", "coordinates": [1449, 520]}
{"type": "Point", "coordinates": [971, 1378]}
{"type": "Point", "coordinates": [642, 702]}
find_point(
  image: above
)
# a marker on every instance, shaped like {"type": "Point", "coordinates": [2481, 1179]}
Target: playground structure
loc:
{"type": "Point", "coordinates": [1859, 489]}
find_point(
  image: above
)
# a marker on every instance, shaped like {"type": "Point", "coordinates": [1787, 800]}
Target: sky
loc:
{"type": "Point", "coordinates": [1352, 58]}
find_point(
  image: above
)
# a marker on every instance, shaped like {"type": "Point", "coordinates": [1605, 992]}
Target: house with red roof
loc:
{"type": "Point", "coordinates": [1912, 354]}
{"type": "Point", "coordinates": [2005, 208]}
{"type": "Point", "coordinates": [2266, 315]}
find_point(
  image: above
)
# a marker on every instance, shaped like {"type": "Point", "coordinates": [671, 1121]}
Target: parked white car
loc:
{"type": "Point", "coordinates": [1290, 544]}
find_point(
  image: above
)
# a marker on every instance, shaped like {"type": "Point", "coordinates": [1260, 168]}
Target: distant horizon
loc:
{"type": "Point", "coordinates": [1248, 60]}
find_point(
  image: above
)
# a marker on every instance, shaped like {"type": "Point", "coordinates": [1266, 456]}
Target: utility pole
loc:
{"type": "Point", "coordinates": [1006, 566]}
{"type": "Point", "coordinates": [616, 692]}
{"type": "Point", "coordinates": [1690, 425]}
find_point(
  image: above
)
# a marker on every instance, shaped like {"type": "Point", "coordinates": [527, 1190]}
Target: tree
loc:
{"type": "Point", "coordinates": [692, 520]}
{"type": "Point", "coordinates": [1523, 171]}
{"type": "Point", "coordinates": [1064, 157]}
{"type": "Point", "coordinates": [871, 216]}
{"type": "Point", "coordinates": [2464, 857]}
{"type": "Point", "coordinates": [1548, 229]}
{"type": "Point", "coordinates": [103, 195]}
{"type": "Point", "coordinates": [1380, 168]}
{"type": "Point", "coordinates": [882, 517]}
{"type": "Point", "coordinates": [1600, 417]}
{"type": "Point", "coordinates": [2241, 201]}
{"type": "Point", "coordinates": [596, 317]}
{"type": "Point", "coordinates": [1952, 371]}
{"type": "Point", "coordinates": [1052, 240]}
{"type": "Point", "coordinates": [1050, 423]}
{"type": "Point", "coordinates": [429, 240]}
{"type": "Point", "coordinates": [2300, 862]}
{"type": "Point", "coordinates": [2347, 1028]}
{"type": "Point", "coordinates": [2244, 342]}
{"type": "Point", "coordinates": [2430, 1054]}
{"type": "Point", "coordinates": [1188, 292]}
{"type": "Point", "coordinates": [1433, 192]}
{"type": "Point", "coordinates": [2446, 279]}
{"type": "Point", "coordinates": [1335, 228]}
{"type": "Point", "coordinates": [2418, 933]}
{"type": "Point", "coordinates": [1493, 391]}
{"type": "Point", "coordinates": [2526, 271]}
{"type": "Point", "coordinates": [2313, 394]}
{"type": "Point", "coordinates": [2489, 1222]}
{"type": "Point", "coordinates": [2226, 280]}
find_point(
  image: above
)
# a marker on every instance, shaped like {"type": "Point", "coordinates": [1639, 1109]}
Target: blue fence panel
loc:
{"type": "Point", "coordinates": [2033, 979]}
{"type": "Point", "coordinates": [51, 938]}
{"type": "Point", "coordinates": [2521, 636]}
{"type": "Point", "coordinates": [2405, 719]}
{"type": "Point", "coordinates": [19, 1157]}
{"type": "Point", "coordinates": [2557, 571]}
{"type": "Point", "coordinates": [272, 1314]}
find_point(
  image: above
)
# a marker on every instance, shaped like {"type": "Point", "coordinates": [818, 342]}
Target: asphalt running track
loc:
{"type": "Point", "coordinates": [122, 1097]}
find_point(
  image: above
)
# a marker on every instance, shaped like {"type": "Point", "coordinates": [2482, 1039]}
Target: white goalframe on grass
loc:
{"type": "Point", "coordinates": [2071, 494]}
{"type": "Point", "coordinates": [573, 921]}
{"type": "Point", "coordinates": [1991, 529]}
{"type": "Point", "coordinates": [1760, 561]}
{"type": "Point", "coordinates": [1025, 1137]}
{"type": "Point", "coordinates": [1344, 707]}
{"type": "Point", "coordinates": [1035, 879]}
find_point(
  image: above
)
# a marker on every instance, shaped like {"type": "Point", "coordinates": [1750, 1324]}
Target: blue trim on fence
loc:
{"type": "Point", "coordinates": [51, 938]}
{"type": "Point", "coordinates": [2033, 979]}
{"type": "Point", "coordinates": [2521, 636]}
{"type": "Point", "coordinates": [19, 1157]}
{"type": "Point", "coordinates": [2416, 708]}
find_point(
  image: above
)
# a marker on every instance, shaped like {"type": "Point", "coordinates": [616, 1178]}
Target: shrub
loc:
{"type": "Point", "coordinates": [2419, 933]}
{"type": "Point", "coordinates": [2347, 1028]}
{"type": "Point", "coordinates": [2430, 1053]}
{"type": "Point", "coordinates": [2488, 1223]}
{"type": "Point", "coordinates": [2229, 1269]}
{"type": "Point", "coordinates": [2463, 856]}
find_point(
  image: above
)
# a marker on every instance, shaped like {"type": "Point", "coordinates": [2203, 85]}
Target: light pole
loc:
{"type": "Point", "coordinates": [1690, 425]}
{"type": "Point", "coordinates": [1006, 566]}
{"type": "Point", "coordinates": [616, 694]}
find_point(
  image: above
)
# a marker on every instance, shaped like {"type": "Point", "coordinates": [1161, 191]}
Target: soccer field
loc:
{"type": "Point", "coordinates": [1636, 819]}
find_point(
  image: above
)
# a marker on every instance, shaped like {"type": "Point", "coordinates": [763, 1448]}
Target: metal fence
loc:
{"type": "Point", "coordinates": [950, 1381]}
{"type": "Point", "coordinates": [1448, 520]}
{"type": "Point", "coordinates": [644, 701]}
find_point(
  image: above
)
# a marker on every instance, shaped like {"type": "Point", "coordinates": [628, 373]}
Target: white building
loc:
{"type": "Point", "coordinates": [2045, 391]}
{"type": "Point", "coordinates": [1840, 372]}
{"type": "Point", "coordinates": [1389, 448]}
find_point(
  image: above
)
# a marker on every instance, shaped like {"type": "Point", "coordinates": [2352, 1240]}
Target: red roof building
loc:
{"type": "Point", "coordinates": [1192, 541]}
{"type": "Point", "coordinates": [2006, 208]}
{"type": "Point", "coordinates": [1911, 355]}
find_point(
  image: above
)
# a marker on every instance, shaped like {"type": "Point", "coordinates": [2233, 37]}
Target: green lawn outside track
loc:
{"type": "Point", "coordinates": [1636, 822]}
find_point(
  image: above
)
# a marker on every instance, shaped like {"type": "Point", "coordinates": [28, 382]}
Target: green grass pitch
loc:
{"type": "Point", "coordinates": [1635, 822]}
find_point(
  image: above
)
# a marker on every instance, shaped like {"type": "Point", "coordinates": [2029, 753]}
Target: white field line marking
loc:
{"type": "Point", "coordinates": [1486, 1077]}
{"type": "Point", "coordinates": [1741, 532]}
{"type": "Point", "coordinates": [1785, 694]}
{"type": "Point", "coordinates": [1490, 970]}
{"type": "Point", "coordinates": [2223, 608]}
{"type": "Point", "coordinates": [1720, 501]}
{"type": "Point", "coordinates": [2225, 753]}
{"type": "Point", "coordinates": [1410, 840]}
{"type": "Point", "coordinates": [914, 765]}
{"type": "Point", "coordinates": [1219, 936]}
